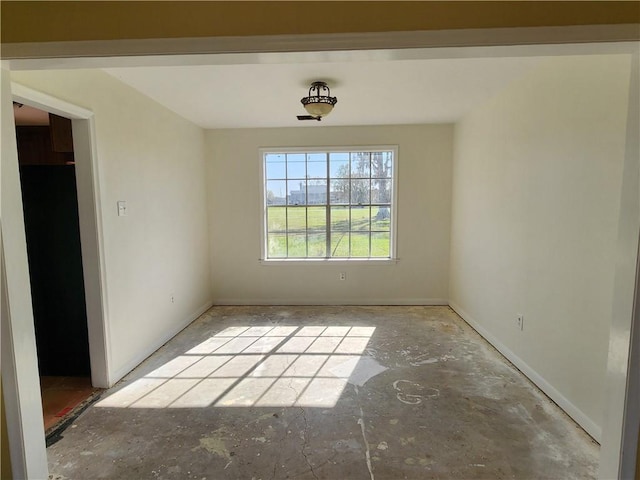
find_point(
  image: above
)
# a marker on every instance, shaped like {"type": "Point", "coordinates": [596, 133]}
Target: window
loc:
{"type": "Point", "coordinates": [329, 204]}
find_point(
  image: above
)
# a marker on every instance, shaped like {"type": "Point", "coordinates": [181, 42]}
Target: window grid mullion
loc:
{"type": "Point", "coordinates": [369, 222]}
{"type": "Point", "coordinates": [286, 204]}
{"type": "Point", "coordinates": [306, 208]}
{"type": "Point", "coordinates": [350, 184]}
{"type": "Point", "coordinates": [327, 213]}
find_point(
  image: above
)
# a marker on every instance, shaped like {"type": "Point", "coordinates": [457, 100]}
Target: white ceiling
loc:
{"type": "Point", "coordinates": [368, 92]}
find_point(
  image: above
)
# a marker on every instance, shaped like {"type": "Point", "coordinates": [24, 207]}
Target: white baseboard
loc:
{"type": "Point", "coordinates": [331, 301]}
{"type": "Point", "coordinates": [114, 377]}
{"type": "Point", "coordinates": [574, 412]}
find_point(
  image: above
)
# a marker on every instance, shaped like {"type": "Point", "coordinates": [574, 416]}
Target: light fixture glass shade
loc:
{"type": "Point", "coordinates": [317, 104]}
{"type": "Point", "coordinates": [318, 109]}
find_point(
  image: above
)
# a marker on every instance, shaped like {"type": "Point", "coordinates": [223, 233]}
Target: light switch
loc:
{"type": "Point", "coordinates": [122, 208]}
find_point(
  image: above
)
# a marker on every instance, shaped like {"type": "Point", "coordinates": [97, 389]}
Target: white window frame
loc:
{"type": "Point", "coordinates": [393, 258]}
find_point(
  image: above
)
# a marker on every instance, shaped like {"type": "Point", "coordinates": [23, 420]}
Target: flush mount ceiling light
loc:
{"type": "Point", "coordinates": [319, 103]}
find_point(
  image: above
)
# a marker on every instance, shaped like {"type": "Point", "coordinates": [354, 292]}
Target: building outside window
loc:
{"type": "Point", "coordinates": [336, 203]}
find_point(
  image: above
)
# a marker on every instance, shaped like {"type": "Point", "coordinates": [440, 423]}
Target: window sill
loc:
{"type": "Point", "coordinates": [330, 261]}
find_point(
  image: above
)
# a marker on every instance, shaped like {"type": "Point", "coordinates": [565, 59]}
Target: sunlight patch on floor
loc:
{"type": "Point", "coordinates": [253, 366]}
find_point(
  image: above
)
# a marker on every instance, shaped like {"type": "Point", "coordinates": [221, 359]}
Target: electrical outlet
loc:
{"type": "Point", "coordinates": [520, 321]}
{"type": "Point", "coordinates": [342, 276]}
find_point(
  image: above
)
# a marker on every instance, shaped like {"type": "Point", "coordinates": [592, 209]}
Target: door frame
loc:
{"type": "Point", "coordinates": [621, 423]}
{"type": "Point", "coordinates": [19, 356]}
{"type": "Point", "coordinates": [89, 220]}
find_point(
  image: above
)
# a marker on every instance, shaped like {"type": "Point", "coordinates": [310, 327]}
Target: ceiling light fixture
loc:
{"type": "Point", "coordinates": [319, 103]}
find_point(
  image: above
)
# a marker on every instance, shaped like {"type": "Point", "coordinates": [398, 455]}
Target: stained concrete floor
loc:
{"type": "Point", "coordinates": [325, 393]}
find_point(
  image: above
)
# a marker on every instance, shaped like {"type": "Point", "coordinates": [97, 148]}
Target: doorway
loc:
{"type": "Point", "coordinates": [50, 206]}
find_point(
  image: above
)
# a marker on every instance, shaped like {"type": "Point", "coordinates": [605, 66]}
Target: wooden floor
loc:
{"type": "Point", "coordinates": [61, 395]}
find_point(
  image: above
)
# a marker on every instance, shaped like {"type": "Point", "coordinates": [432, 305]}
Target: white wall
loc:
{"type": "Point", "coordinates": [536, 191]}
{"type": "Point", "coordinates": [153, 160]}
{"type": "Point", "coordinates": [424, 196]}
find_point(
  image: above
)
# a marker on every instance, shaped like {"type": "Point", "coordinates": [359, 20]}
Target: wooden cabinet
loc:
{"type": "Point", "coordinates": [34, 145]}
{"type": "Point", "coordinates": [46, 144]}
{"type": "Point", "coordinates": [61, 137]}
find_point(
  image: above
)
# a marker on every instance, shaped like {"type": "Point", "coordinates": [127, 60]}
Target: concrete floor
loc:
{"type": "Point", "coordinates": [382, 392]}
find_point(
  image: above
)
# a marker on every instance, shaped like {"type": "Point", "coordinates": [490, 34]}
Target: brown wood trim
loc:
{"type": "Point", "coordinates": [47, 21]}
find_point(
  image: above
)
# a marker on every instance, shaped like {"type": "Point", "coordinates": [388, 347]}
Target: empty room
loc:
{"type": "Point", "coordinates": [403, 254]}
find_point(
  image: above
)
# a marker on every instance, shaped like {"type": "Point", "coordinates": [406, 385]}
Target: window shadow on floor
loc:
{"type": "Point", "coordinates": [260, 366]}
